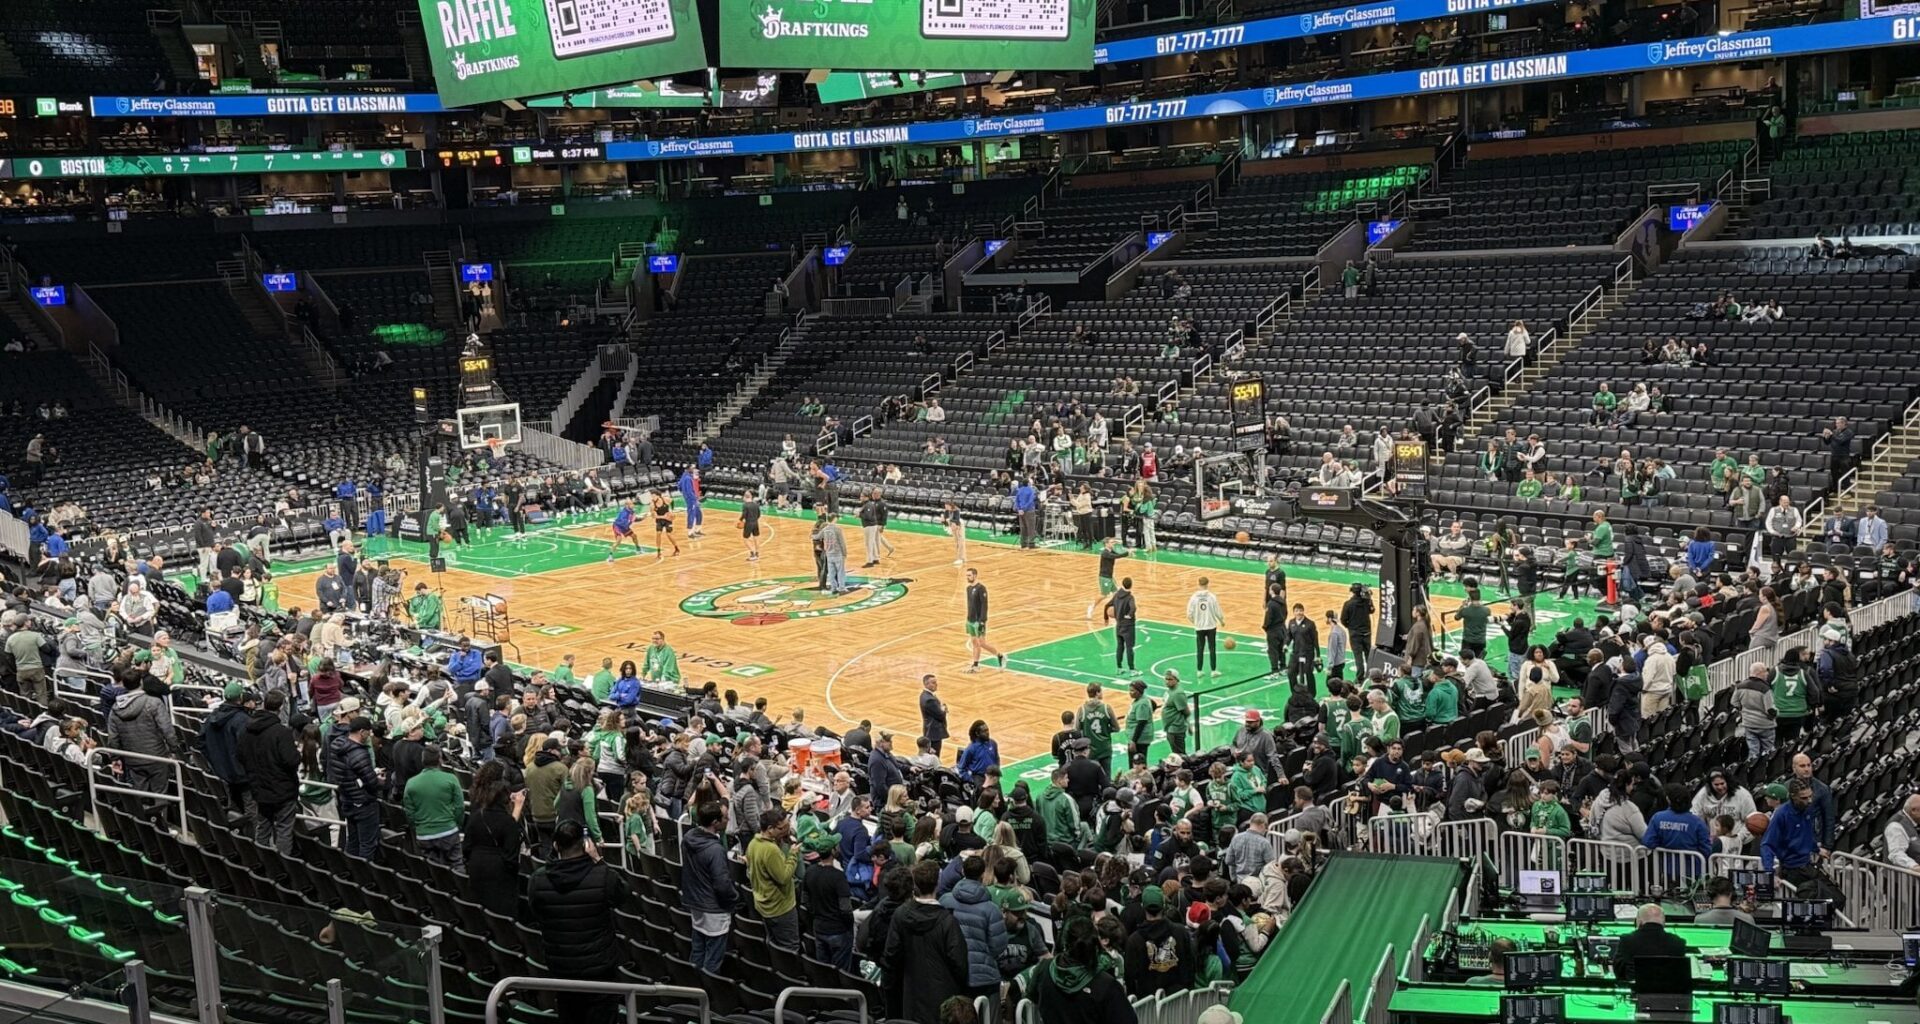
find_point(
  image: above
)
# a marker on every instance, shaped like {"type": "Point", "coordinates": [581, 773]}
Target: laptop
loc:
{"type": "Point", "coordinates": [1751, 940]}
{"type": "Point", "coordinates": [1663, 987]}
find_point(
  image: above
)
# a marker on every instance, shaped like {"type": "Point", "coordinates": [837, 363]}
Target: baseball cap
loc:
{"type": "Point", "coordinates": [1151, 896]}
{"type": "Point", "coordinates": [1252, 715]}
{"type": "Point", "coordinates": [1011, 899]}
{"type": "Point", "coordinates": [1776, 791]}
{"type": "Point", "coordinates": [232, 691]}
{"type": "Point", "coordinates": [1533, 753]}
{"type": "Point", "coordinates": [1477, 756]}
{"type": "Point", "coordinates": [347, 706]}
{"type": "Point", "coordinates": [1219, 1015]}
{"type": "Point", "coordinates": [359, 723]}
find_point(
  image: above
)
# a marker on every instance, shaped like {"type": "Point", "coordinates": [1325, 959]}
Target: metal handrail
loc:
{"type": "Point", "coordinates": [843, 994]}
{"type": "Point", "coordinates": [608, 988]}
{"type": "Point", "coordinates": [95, 787]}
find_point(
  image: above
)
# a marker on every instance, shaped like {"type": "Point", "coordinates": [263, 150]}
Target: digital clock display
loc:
{"type": "Point", "coordinates": [1249, 390]}
{"type": "Point", "coordinates": [477, 364]}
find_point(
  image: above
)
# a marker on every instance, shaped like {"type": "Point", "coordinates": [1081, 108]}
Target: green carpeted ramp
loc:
{"type": "Point", "coordinates": [1361, 904]}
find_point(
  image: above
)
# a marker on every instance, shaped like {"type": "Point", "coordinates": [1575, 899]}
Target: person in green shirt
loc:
{"type": "Point", "coordinates": [1352, 733]}
{"type": "Point", "coordinates": [1443, 702]}
{"type": "Point", "coordinates": [1381, 720]}
{"type": "Point", "coordinates": [1600, 541]}
{"type": "Point", "coordinates": [661, 664]}
{"type": "Point", "coordinates": [1246, 788]}
{"type": "Point", "coordinates": [773, 861]}
{"type": "Point", "coordinates": [1176, 714]}
{"type": "Point", "coordinates": [1096, 719]}
{"type": "Point", "coordinates": [1547, 816]}
{"type": "Point", "coordinates": [1473, 618]}
{"type": "Point", "coordinates": [640, 827]}
{"type": "Point", "coordinates": [1350, 280]}
{"type": "Point", "coordinates": [1528, 488]}
{"type": "Point", "coordinates": [1721, 471]}
{"type": "Point", "coordinates": [1754, 471]}
{"type": "Point", "coordinates": [563, 672]}
{"type": "Point", "coordinates": [425, 608]}
{"type": "Point", "coordinates": [1573, 492]}
{"type": "Point", "coordinates": [1139, 722]}
{"type": "Point", "coordinates": [1604, 403]}
{"type": "Point", "coordinates": [436, 805]}
{"type": "Point", "coordinates": [603, 681]}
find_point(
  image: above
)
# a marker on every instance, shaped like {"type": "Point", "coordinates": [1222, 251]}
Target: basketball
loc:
{"type": "Point", "coordinates": [1757, 823]}
{"type": "Point", "coordinates": [1229, 643]}
{"type": "Point", "coordinates": [1241, 537]}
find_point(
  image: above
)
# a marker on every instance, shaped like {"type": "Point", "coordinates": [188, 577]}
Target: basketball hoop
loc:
{"type": "Point", "coordinates": [495, 446]}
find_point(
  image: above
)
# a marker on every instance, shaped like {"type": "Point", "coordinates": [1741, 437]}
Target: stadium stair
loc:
{"type": "Point", "coordinates": [1890, 464]}
{"type": "Point", "coordinates": [726, 412]}
{"type": "Point", "coordinates": [1576, 332]}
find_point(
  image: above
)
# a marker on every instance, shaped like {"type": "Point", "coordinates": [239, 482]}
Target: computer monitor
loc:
{"type": "Point", "coordinates": [1752, 885]}
{"type": "Point", "coordinates": [1749, 1013]}
{"type": "Point", "coordinates": [1758, 977]}
{"type": "Point", "coordinates": [1533, 1010]}
{"type": "Point", "coordinates": [1806, 917]}
{"type": "Point", "coordinates": [1751, 940]}
{"type": "Point", "coordinates": [1532, 970]}
{"type": "Point", "coordinates": [1589, 908]}
{"type": "Point", "coordinates": [1663, 976]}
{"type": "Point", "coordinates": [1910, 949]}
{"type": "Point", "coordinates": [1590, 881]}
{"type": "Point", "coordinates": [1540, 889]}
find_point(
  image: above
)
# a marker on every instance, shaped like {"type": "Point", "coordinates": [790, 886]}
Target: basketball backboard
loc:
{"type": "Point", "coordinates": [480, 425]}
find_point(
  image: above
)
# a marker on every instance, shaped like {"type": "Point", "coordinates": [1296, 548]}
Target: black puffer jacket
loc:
{"type": "Point", "coordinates": [142, 722]}
{"type": "Point", "coordinates": [573, 901]}
{"type": "Point", "coordinates": [271, 759]}
{"type": "Point", "coordinates": [350, 766]}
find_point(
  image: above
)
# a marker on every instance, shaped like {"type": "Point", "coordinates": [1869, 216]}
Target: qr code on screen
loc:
{"type": "Point", "coordinates": [996, 19]}
{"type": "Point", "coordinates": [581, 27]}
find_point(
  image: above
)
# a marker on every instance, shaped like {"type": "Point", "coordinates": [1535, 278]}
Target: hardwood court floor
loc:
{"type": "Point", "coordinates": [762, 629]}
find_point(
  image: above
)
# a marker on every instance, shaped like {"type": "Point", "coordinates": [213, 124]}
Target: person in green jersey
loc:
{"type": "Point", "coordinates": [1139, 722]}
{"type": "Point", "coordinates": [1097, 722]}
{"type": "Point", "coordinates": [1352, 733]}
{"type": "Point", "coordinates": [603, 681]}
{"type": "Point", "coordinates": [1473, 618]}
{"type": "Point", "coordinates": [1754, 471]}
{"type": "Point", "coordinates": [1176, 713]}
{"type": "Point", "coordinates": [1350, 280]}
{"type": "Point", "coordinates": [425, 608]}
{"type": "Point", "coordinates": [1529, 487]}
{"type": "Point", "coordinates": [1790, 695]}
{"type": "Point", "coordinates": [1381, 720]}
{"type": "Point", "coordinates": [661, 665]}
{"type": "Point", "coordinates": [563, 672]}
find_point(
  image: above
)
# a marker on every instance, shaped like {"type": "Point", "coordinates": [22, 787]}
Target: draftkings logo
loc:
{"type": "Point", "coordinates": [765, 602]}
{"type": "Point", "coordinates": [774, 24]}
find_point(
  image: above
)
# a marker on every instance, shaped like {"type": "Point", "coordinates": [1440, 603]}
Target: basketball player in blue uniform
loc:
{"type": "Point", "coordinates": [623, 530]}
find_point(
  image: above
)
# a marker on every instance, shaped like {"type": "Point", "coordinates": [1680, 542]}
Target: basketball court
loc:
{"type": "Point", "coordinates": [762, 628]}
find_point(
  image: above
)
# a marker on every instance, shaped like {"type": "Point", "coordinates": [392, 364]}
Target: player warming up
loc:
{"type": "Point", "coordinates": [750, 523]}
{"type": "Point", "coordinates": [623, 530]}
{"type": "Point", "coordinates": [977, 622]}
{"type": "Point", "coordinates": [1110, 552]}
{"type": "Point", "coordinates": [663, 524]}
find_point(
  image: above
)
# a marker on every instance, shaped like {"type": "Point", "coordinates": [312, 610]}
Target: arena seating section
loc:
{"type": "Point", "coordinates": [1861, 183]}
{"type": "Point", "coordinates": [1566, 199]}
{"type": "Point", "coordinates": [81, 47]}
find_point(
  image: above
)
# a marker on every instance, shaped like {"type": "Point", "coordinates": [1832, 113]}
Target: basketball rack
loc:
{"type": "Point", "coordinates": [486, 618]}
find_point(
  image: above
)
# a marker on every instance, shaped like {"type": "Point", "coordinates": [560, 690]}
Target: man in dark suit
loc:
{"type": "Point", "coordinates": [933, 712]}
{"type": "Point", "coordinates": [1648, 938]}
